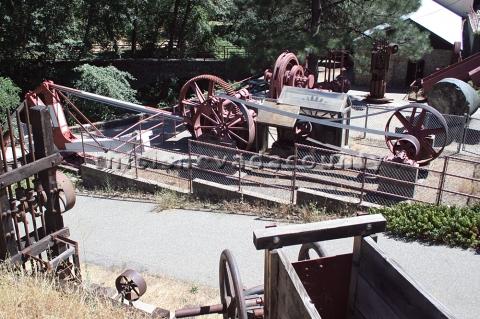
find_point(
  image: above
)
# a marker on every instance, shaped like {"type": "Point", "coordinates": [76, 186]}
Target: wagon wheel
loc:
{"type": "Point", "coordinates": [229, 122]}
{"type": "Point", "coordinates": [231, 292]}
{"type": "Point", "coordinates": [421, 121]}
{"type": "Point", "coordinates": [199, 91]}
{"type": "Point", "coordinates": [131, 285]}
{"type": "Point", "coordinates": [304, 253]}
{"type": "Point", "coordinates": [285, 62]}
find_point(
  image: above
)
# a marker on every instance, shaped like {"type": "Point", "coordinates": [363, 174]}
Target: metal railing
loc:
{"type": "Point", "coordinates": [348, 176]}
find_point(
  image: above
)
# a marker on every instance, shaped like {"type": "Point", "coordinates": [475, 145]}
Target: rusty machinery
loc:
{"type": "Point", "coordinates": [236, 301]}
{"type": "Point", "coordinates": [212, 110]}
{"type": "Point", "coordinates": [288, 71]}
{"type": "Point", "coordinates": [33, 197]}
{"type": "Point", "coordinates": [380, 62]}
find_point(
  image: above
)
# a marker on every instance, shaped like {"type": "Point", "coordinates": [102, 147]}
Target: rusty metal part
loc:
{"type": "Point", "coordinates": [303, 129]}
{"type": "Point", "coordinates": [287, 71]}
{"type": "Point", "coordinates": [254, 305]}
{"type": "Point", "coordinates": [459, 70]}
{"type": "Point", "coordinates": [66, 192]}
{"type": "Point", "coordinates": [407, 147]}
{"type": "Point", "coordinates": [380, 61]}
{"type": "Point", "coordinates": [131, 285]}
{"type": "Point", "coordinates": [228, 122]}
{"type": "Point", "coordinates": [331, 296]}
{"type": "Point", "coordinates": [304, 253]}
{"type": "Point", "coordinates": [197, 92]}
{"type": "Point", "coordinates": [231, 290]}
{"type": "Point", "coordinates": [423, 122]}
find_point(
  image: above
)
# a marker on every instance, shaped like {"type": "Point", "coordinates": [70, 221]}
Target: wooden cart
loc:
{"type": "Point", "coordinates": [363, 284]}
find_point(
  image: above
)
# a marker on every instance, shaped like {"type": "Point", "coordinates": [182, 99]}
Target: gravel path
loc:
{"type": "Point", "coordinates": [187, 245]}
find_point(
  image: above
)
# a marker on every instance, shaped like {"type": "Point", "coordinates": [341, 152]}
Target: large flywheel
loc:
{"type": "Point", "coordinates": [425, 128]}
{"type": "Point", "coordinates": [199, 91]}
{"type": "Point", "coordinates": [208, 116]}
{"type": "Point", "coordinates": [228, 122]}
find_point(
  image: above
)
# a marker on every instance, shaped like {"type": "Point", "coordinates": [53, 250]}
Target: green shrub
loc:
{"type": "Point", "coordinates": [451, 225]}
{"type": "Point", "coordinates": [107, 81]}
{"type": "Point", "coordinates": [9, 97]}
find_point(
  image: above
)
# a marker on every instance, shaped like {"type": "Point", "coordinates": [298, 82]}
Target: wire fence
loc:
{"type": "Point", "coordinates": [349, 176]}
{"type": "Point", "coordinates": [146, 151]}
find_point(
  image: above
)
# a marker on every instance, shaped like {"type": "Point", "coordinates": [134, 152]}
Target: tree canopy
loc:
{"type": "Point", "coordinates": [60, 29]}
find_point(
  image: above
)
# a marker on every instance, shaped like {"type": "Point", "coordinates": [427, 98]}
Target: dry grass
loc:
{"type": "Point", "coordinates": [162, 291]}
{"type": "Point", "coordinates": [23, 296]}
{"type": "Point", "coordinates": [172, 200]}
{"type": "Point", "coordinates": [37, 296]}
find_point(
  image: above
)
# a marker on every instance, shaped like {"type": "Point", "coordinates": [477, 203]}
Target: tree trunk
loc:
{"type": "Point", "coordinates": [181, 33]}
{"type": "Point", "coordinates": [87, 44]}
{"type": "Point", "coordinates": [134, 37]}
{"type": "Point", "coordinates": [173, 25]}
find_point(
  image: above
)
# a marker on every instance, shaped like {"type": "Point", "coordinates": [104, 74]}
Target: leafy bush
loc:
{"type": "Point", "coordinates": [454, 226]}
{"type": "Point", "coordinates": [107, 81]}
{"type": "Point", "coordinates": [9, 97]}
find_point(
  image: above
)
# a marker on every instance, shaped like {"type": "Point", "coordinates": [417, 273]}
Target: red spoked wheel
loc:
{"type": "Point", "coordinates": [228, 122]}
{"type": "Point", "coordinates": [199, 91]}
{"type": "Point", "coordinates": [423, 122]}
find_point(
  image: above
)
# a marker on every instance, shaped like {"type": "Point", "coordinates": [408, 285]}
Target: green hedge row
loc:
{"type": "Point", "coordinates": [453, 226]}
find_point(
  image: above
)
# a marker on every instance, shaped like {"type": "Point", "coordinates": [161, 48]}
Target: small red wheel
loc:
{"type": "Point", "coordinates": [424, 123]}
{"type": "Point", "coordinates": [131, 285]}
{"type": "Point", "coordinates": [295, 76]}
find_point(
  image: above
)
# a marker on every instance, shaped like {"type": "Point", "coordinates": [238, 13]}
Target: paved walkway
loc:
{"type": "Point", "coordinates": [187, 245]}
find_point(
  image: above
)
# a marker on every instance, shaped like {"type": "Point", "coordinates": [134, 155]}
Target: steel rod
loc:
{"type": "Point", "coordinates": [114, 102]}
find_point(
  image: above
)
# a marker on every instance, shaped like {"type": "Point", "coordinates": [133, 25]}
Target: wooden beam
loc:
{"type": "Point", "coordinates": [285, 295]}
{"type": "Point", "coordinates": [276, 237]}
{"type": "Point", "coordinates": [391, 289]}
{"type": "Point", "coordinates": [28, 170]}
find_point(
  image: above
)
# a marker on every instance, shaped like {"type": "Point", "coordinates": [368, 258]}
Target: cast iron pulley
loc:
{"type": "Point", "coordinates": [287, 71]}
{"type": "Point", "coordinates": [303, 129]}
{"type": "Point", "coordinates": [316, 247]}
{"type": "Point", "coordinates": [422, 122]}
{"type": "Point", "coordinates": [197, 92]}
{"type": "Point", "coordinates": [66, 192]}
{"type": "Point", "coordinates": [131, 285]}
{"type": "Point", "coordinates": [231, 290]}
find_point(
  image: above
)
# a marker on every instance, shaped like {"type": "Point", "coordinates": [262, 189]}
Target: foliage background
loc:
{"type": "Point", "coordinates": [9, 97]}
{"type": "Point", "coordinates": [106, 81]}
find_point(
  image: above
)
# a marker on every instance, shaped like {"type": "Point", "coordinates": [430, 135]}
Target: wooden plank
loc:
{"type": "Point", "coordinates": [406, 297]}
{"type": "Point", "coordinates": [371, 305]}
{"type": "Point", "coordinates": [270, 283]}
{"type": "Point", "coordinates": [276, 237]}
{"type": "Point", "coordinates": [28, 170]}
{"type": "Point", "coordinates": [290, 300]}
{"type": "Point", "coordinates": [352, 293]}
